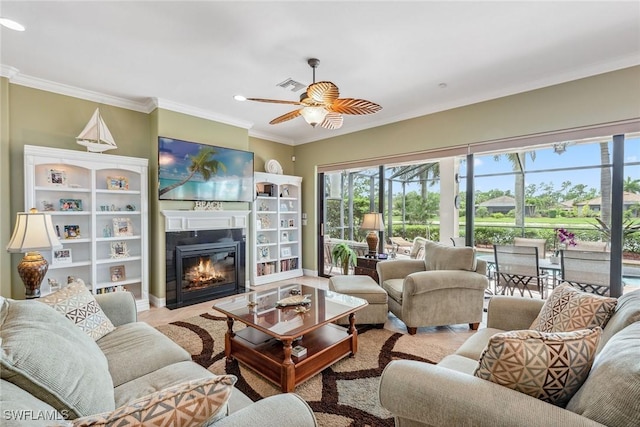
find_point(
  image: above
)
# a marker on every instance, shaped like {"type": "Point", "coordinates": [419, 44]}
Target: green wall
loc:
{"type": "Point", "coordinates": [6, 223]}
{"type": "Point", "coordinates": [266, 150]}
{"type": "Point", "coordinates": [595, 100]}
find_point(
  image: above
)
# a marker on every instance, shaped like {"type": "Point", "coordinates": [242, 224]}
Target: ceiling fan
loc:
{"type": "Point", "coordinates": [321, 104]}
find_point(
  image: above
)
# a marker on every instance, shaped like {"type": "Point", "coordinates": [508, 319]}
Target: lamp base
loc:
{"type": "Point", "coordinates": [372, 242]}
{"type": "Point", "coordinates": [32, 270]}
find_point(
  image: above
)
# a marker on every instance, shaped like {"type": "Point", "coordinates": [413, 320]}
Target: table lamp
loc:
{"type": "Point", "coordinates": [372, 222]}
{"type": "Point", "coordinates": [33, 232]}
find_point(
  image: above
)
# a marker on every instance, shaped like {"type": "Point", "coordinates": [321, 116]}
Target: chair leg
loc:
{"type": "Point", "coordinates": [411, 330]}
{"type": "Point", "coordinates": [474, 326]}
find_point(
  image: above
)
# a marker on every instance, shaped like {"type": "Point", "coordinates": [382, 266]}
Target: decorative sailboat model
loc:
{"type": "Point", "coordinates": [96, 135]}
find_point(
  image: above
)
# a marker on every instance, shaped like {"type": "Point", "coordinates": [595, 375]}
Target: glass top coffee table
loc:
{"type": "Point", "coordinates": [273, 334]}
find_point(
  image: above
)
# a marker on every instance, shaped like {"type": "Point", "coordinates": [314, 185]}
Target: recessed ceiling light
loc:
{"type": "Point", "coordinates": [239, 98]}
{"type": "Point", "coordinates": [11, 24]}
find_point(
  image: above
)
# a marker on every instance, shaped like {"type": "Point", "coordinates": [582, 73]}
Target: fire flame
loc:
{"type": "Point", "coordinates": [203, 274]}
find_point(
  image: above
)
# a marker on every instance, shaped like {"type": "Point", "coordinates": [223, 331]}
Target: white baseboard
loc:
{"type": "Point", "coordinates": [157, 302]}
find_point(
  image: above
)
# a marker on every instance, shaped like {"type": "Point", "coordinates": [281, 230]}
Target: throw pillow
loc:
{"type": "Point", "coordinates": [568, 309]}
{"type": "Point", "coordinates": [78, 305]}
{"type": "Point", "coordinates": [548, 366]}
{"type": "Point", "coordinates": [441, 257]}
{"type": "Point", "coordinates": [193, 403]}
{"type": "Point", "coordinates": [45, 354]}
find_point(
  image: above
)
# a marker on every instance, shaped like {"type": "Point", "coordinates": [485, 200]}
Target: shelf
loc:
{"type": "Point", "coordinates": [102, 191]}
{"type": "Point", "coordinates": [117, 260]}
{"type": "Point", "coordinates": [63, 189]}
{"type": "Point", "coordinates": [54, 174]}
{"type": "Point", "coordinates": [69, 265]}
{"type": "Point", "coordinates": [288, 210]}
{"type": "Point", "coordinates": [126, 282]}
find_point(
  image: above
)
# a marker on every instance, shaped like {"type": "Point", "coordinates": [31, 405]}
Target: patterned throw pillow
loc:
{"type": "Point", "coordinates": [568, 309]}
{"type": "Point", "coordinates": [78, 304]}
{"type": "Point", "coordinates": [548, 366]}
{"type": "Point", "coordinates": [193, 403]}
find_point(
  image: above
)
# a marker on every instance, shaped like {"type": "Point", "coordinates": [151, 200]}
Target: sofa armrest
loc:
{"type": "Point", "coordinates": [120, 307]}
{"type": "Point", "coordinates": [275, 411]}
{"type": "Point", "coordinates": [398, 268]}
{"type": "Point", "coordinates": [428, 281]}
{"type": "Point", "coordinates": [512, 313]}
{"type": "Point", "coordinates": [439, 396]}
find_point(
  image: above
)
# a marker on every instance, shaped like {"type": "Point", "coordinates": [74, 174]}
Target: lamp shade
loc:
{"type": "Point", "coordinates": [33, 232]}
{"type": "Point", "coordinates": [372, 221]}
{"type": "Point", "coordinates": [314, 115]}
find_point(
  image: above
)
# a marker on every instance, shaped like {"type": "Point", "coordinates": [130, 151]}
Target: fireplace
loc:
{"type": "Point", "coordinates": [203, 264]}
{"type": "Point", "coordinates": [208, 270]}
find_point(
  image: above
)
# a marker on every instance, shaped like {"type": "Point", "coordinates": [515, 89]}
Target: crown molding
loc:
{"type": "Point", "coordinates": [62, 89]}
{"type": "Point", "coordinates": [271, 137]}
{"type": "Point", "coordinates": [199, 112]}
{"type": "Point", "coordinates": [8, 71]}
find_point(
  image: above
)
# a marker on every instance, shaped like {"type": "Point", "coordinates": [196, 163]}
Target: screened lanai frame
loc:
{"type": "Point", "coordinates": [407, 172]}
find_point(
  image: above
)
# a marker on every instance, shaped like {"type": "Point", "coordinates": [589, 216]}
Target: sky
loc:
{"type": "Point", "coordinates": [574, 156]}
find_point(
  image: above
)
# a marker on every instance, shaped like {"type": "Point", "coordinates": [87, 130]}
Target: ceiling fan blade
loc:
{"type": "Point", "coordinates": [323, 92]}
{"type": "Point", "coordinates": [332, 121]}
{"type": "Point", "coordinates": [274, 101]}
{"type": "Point", "coordinates": [283, 118]}
{"type": "Point", "coordinates": [354, 106]}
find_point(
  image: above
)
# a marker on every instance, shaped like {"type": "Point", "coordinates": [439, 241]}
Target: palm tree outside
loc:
{"type": "Point", "coordinates": [202, 163]}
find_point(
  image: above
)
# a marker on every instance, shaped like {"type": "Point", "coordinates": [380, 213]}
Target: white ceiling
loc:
{"type": "Point", "coordinates": [194, 56]}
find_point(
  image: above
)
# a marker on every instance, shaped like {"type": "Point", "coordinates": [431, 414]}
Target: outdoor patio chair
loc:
{"type": "Point", "coordinates": [458, 241]}
{"type": "Point", "coordinates": [587, 270]}
{"type": "Point", "coordinates": [538, 243]}
{"type": "Point", "coordinates": [517, 268]}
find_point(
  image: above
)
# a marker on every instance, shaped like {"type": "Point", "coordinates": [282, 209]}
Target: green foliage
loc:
{"type": "Point", "coordinates": [482, 212]}
{"type": "Point", "coordinates": [344, 256]}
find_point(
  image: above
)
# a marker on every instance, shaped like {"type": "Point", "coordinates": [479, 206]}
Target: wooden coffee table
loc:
{"type": "Point", "coordinates": [265, 345]}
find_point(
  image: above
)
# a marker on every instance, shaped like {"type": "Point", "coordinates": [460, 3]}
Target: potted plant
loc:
{"type": "Point", "coordinates": [343, 256]}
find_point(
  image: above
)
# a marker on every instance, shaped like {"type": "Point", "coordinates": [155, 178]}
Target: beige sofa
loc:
{"type": "Point", "coordinates": [52, 370]}
{"type": "Point", "coordinates": [445, 288]}
{"type": "Point", "coordinates": [420, 394]}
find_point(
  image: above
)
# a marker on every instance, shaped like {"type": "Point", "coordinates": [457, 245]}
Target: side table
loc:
{"type": "Point", "coordinates": [367, 267]}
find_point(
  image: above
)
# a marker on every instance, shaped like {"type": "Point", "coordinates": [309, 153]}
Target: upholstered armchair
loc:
{"type": "Point", "coordinates": [445, 288]}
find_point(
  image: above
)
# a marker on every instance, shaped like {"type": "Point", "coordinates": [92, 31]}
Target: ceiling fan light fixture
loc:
{"type": "Point", "coordinates": [11, 24]}
{"type": "Point", "coordinates": [314, 115]}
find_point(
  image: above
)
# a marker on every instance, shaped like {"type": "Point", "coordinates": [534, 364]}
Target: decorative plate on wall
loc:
{"type": "Point", "coordinates": [273, 166]}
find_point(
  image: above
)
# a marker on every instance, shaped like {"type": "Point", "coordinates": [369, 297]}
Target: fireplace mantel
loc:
{"type": "Point", "coordinates": [184, 220]}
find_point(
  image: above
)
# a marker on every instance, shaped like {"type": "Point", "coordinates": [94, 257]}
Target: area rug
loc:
{"type": "Point", "coordinates": [345, 394]}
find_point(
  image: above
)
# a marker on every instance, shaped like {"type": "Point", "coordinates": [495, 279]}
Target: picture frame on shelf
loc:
{"type": "Point", "coordinates": [70, 204]}
{"type": "Point", "coordinates": [119, 250]}
{"type": "Point", "coordinates": [285, 252]}
{"type": "Point", "coordinates": [47, 206]}
{"type": "Point", "coordinates": [284, 236]}
{"type": "Point", "coordinates": [122, 227]}
{"type": "Point", "coordinates": [61, 256]}
{"type": "Point", "coordinates": [117, 273]}
{"type": "Point", "coordinates": [57, 177]}
{"type": "Point", "coordinates": [117, 183]}
{"type": "Point", "coordinates": [264, 222]}
{"type": "Point", "coordinates": [72, 231]}
{"type": "Point", "coordinates": [292, 223]}
{"type": "Point", "coordinates": [285, 192]}
{"type": "Point", "coordinates": [264, 253]}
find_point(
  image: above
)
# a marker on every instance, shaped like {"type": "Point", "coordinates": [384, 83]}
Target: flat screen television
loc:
{"type": "Point", "coordinates": [194, 171]}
